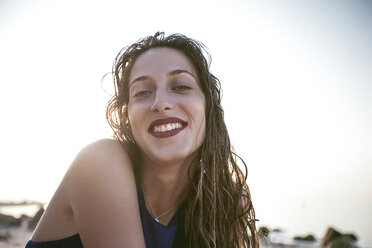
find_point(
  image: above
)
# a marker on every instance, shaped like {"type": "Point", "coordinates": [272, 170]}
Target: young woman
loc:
{"type": "Point", "coordinates": [170, 177]}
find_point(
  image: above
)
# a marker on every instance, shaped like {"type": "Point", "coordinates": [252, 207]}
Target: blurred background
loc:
{"type": "Point", "coordinates": [297, 94]}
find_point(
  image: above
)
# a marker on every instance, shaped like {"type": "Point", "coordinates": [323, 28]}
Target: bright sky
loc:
{"type": "Point", "coordinates": [296, 78]}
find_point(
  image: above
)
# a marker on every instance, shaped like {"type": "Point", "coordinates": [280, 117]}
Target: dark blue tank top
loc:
{"type": "Point", "coordinates": [156, 235]}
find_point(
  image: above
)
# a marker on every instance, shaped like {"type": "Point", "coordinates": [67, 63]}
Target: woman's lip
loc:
{"type": "Point", "coordinates": [167, 134]}
{"type": "Point", "coordinates": [164, 122]}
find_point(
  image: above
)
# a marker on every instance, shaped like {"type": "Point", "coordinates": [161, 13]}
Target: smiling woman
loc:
{"type": "Point", "coordinates": [170, 178]}
{"type": "Point", "coordinates": [175, 99]}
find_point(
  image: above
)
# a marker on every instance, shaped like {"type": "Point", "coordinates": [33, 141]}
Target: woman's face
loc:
{"type": "Point", "coordinates": [166, 106]}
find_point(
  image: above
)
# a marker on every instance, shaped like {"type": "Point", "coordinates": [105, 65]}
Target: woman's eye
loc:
{"type": "Point", "coordinates": [181, 88]}
{"type": "Point", "coordinates": [142, 93]}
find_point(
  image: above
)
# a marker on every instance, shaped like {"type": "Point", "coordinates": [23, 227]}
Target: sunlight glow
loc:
{"type": "Point", "coordinates": [296, 92]}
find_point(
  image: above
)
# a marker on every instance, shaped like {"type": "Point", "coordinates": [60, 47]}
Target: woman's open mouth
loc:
{"type": "Point", "coordinates": [163, 128]}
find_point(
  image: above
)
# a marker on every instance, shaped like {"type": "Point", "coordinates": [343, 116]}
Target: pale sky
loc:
{"type": "Point", "coordinates": [297, 90]}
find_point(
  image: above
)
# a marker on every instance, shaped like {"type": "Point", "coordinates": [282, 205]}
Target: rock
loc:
{"type": "Point", "coordinates": [25, 218]}
{"type": "Point", "coordinates": [335, 239]}
{"type": "Point", "coordinates": [32, 223]}
{"type": "Point", "coordinates": [5, 236]}
{"type": "Point", "coordinates": [9, 221]}
{"type": "Point", "coordinates": [263, 231]}
{"type": "Point", "coordinates": [330, 236]}
{"type": "Point", "coordinates": [340, 243]}
{"type": "Point", "coordinates": [351, 237]}
{"type": "Point", "coordinates": [308, 238]}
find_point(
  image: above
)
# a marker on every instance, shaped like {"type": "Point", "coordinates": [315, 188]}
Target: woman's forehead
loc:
{"type": "Point", "coordinates": [161, 60]}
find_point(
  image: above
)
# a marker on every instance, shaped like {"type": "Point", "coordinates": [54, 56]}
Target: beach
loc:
{"type": "Point", "coordinates": [18, 236]}
{"type": "Point", "coordinates": [17, 222]}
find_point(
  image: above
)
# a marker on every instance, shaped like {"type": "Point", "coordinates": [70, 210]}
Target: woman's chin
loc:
{"type": "Point", "coordinates": [172, 157]}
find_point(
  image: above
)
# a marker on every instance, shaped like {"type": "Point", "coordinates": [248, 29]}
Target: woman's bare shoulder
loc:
{"type": "Point", "coordinates": [100, 155]}
{"type": "Point", "coordinates": [104, 149]}
{"type": "Point", "coordinates": [97, 198]}
{"type": "Point", "coordinates": [101, 190]}
{"type": "Point", "coordinates": [103, 164]}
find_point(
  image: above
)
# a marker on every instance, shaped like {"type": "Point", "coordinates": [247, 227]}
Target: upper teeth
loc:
{"type": "Point", "coordinates": [167, 127]}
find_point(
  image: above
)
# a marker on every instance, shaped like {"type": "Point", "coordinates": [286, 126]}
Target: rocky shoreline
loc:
{"type": "Point", "coordinates": [331, 239]}
{"type": "Point", "coordinates": [15, 232]}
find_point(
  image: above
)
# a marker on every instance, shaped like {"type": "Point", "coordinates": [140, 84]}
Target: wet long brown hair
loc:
{"type": "Point", "coordinates": [219, 210]}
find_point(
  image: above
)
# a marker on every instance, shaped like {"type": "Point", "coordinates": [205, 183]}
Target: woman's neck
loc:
{"type": "Point", "coordinates": [165, 186]}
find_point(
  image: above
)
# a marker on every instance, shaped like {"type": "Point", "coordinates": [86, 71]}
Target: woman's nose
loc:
{"type": "Point", "coordinates": [162, 102]}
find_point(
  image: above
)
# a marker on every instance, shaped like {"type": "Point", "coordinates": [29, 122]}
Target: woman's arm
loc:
{"type": "Point", "coordinates": [101, 189]}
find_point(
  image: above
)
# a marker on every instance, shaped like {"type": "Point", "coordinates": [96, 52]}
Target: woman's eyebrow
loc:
{"type": "Point", "coordinates": [171, 73]}
{"type": "Point", "coordinates": [141, 78]}
{"type": "Point", "coordinates": [175, 72]}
